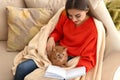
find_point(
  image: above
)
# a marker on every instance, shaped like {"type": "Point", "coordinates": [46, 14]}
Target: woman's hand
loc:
{"type": "Point", "coordinates": [50, 44]}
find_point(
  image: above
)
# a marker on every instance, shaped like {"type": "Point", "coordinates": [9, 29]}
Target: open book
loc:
{"type": "Point", "coordinates": [61, 73]}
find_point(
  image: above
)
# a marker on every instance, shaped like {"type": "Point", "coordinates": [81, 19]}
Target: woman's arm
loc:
{"type": "Point", "coordinates": [88, 56]}
{"type": "Point", "coordinates": [58, 31]}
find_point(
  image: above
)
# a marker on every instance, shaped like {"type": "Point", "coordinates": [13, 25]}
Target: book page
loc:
{"type": "Point", "coordinates": [55, 72]}
{"type": "Point", "coordinates": [75, 72]}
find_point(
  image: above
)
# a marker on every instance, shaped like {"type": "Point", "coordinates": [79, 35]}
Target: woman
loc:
{"type": "Point", "coordinates": [76, 31]}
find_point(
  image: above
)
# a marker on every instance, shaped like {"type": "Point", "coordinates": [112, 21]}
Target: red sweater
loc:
{"type": "Point", "coordinates": [80, 41]}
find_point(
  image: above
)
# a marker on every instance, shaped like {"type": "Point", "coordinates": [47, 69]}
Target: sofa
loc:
{"type": "Point", "coordinates": [10, 19]}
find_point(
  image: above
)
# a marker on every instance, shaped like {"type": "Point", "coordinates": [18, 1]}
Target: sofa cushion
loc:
{"type": "Point", "coordinates": [23, 24]}
{"type": "Point", "coordinates": [54, 5]}
{"type": "Point", "coordinates": [6, 62]}
{"type": "Point", "coordinates": [3, 22]}
{"type": "Point", "coordinates": [111, 63]}
{"type": "Point", "coordinates": [113, 7]}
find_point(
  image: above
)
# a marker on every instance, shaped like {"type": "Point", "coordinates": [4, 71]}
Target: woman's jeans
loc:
{"type": "Point", "coordinates": [24, 68]}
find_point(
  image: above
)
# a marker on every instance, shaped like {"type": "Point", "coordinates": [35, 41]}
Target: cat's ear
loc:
{"type": "Point", "coordinates": [65, 49]}
{"type": "Point", "coordinates": [54, 50]}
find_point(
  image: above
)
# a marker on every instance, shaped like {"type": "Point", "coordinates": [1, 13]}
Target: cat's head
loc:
{"type": "Point", "coordinates": [58, 56]}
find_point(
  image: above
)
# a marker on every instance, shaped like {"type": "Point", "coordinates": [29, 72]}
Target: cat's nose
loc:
{"type": "Point", "coordinates": [60, 56]}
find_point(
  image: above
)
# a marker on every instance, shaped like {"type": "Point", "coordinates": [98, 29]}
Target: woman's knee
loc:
{"type": "Point", "coordinates": [26, 67]}
{"type": "Point", "coordinates": [21, 69]}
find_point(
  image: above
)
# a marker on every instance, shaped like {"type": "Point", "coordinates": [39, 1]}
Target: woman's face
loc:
{"type": "Point", "coordinates": [77, 16]}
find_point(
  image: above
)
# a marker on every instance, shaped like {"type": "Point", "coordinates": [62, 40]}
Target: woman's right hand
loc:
{"type": "Point", "coordinates": [50, 44]}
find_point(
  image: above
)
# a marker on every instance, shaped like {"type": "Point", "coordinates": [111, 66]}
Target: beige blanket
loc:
{"type": "Point", "coordinates": [36, 50]}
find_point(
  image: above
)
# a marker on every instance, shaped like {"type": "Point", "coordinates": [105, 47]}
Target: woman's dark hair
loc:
{"type": "Point", "coordinates": [76, 4]}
